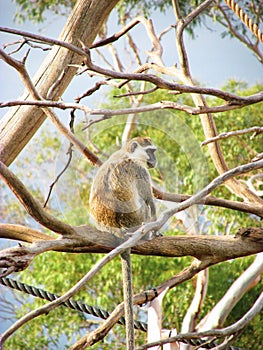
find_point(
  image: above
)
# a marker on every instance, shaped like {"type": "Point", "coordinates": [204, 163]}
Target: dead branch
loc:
{"type": "Point", "coordinates": [159, 82]}
{"type": "Point", "coordinates": [20, 67]}
{"type": "Point", "coordinates": [46, 103]}
{"type": "Point", "coordinates": [97, 267]}
{"type": "Point", "coordinates": [246, 101]}
{"type": "Point", "coordinates": [138, 299]}
{"type": "Point", "coordinates": [209, 126]}
{"type": "Point", "coordinates": [218, 333]}
{"type": "Point", "coordinates": [255, 129]}
{"type": "Point", "coordinates": [116, 36]}
{"type": "Point", "coordinates": [248, 279]}
{"type": "Point", "coordinates": [163, 84]}
{"type": "Point", "coordinates": [20, 123]}
{"type": "Point", "coordinates": [32, 205]}
{"type": "Point", "coordinates": [211, 200]}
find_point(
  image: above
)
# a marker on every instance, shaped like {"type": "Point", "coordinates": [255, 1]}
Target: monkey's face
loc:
{"type": "Point", "coordinates": [144, 152]}
{"type": "Point", "coordinates": [151, 160]}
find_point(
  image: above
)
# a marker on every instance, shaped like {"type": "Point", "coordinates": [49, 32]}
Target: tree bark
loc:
{"type": "Point", "coordinates": [19, 125]}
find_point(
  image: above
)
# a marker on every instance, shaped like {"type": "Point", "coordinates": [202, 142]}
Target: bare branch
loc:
{"type": "Point", "coordinates": [116, 36]}
{"type": "Point", "coordinates": [46, 103]}
{"type": "Point", "coordinates": [20, 67]}
{"type": "Point", "coordinates": [32, 205]}
{"type": "Point", "coordinates": [135, 93]}
{"type": "Point", "coordinates": [255, 129]}
{"type": "Point", "coordinates": [69, 153]}
{"type": "Point", "coordinates": [219, 333]}
{"type": "Point", "coordinates": [101, 331]}
{"type": "Point", "coordinates": [211, 200]}
{"type": "Point", "coordinates": [159, 82]}
{"type": "Point", "coordinates": [43, 39]}
{"type": "Point", "coordinates": [207, 119]}
{"type": "Point", "coordinates": [246, 101]}
{"type": "Point", "coordinates": [250, 277]}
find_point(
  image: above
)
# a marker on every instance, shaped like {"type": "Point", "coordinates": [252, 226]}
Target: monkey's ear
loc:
{"type": "Point", "coordinates": [134, 145]}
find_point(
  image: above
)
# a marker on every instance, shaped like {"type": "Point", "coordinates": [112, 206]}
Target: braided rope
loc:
{"type": "Point", "coordinates": [91, 310]}
{"type": "Point", "coordinates": [245, 19]}
{"type": "Point", "coordinates": [72, 304]}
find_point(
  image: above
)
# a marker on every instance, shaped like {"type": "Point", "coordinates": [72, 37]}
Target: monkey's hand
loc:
{"type": "Point", "coordinates": [151, 235]}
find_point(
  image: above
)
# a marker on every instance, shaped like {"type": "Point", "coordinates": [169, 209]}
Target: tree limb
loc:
{"type": "Point", "coordinates": [219, 333]}
{"type": "Point", "coordinates": [207, 119]}
{"type": "Point", "coordinates": [19, 125]}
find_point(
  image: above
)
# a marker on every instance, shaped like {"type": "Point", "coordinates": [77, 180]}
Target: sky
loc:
{"type": "Point", "coordinates": [213, 60]}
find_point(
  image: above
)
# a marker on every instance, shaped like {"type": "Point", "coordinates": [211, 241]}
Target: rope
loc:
{"type": "Point", "coordinates": [72, 304]}
{"type": "Point", "coordinates": [91, 310]}
{"type": "Point", "coordinates": [245, 19]}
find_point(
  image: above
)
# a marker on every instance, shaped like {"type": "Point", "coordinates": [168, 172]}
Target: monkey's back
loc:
{"type": "Point", "coordinates": [121, 195]}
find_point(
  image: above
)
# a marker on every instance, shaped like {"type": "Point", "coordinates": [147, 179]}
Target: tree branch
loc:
{"type": "Point", "coordinates": [138, 299]}
{"type": "Point", "coordinates": [32, 205]}
{"type": "Point", "coordinates": [216, 317]}
{"type": "Point", "coordinates": [20, 67]}
{"type": "Point", "coordinates": [255, 129]}
{"type": "Point", "coordinates": [207, 119]}
{"type": "Point", "coordinates": [211, 200]}
{"type": "Point", "coordinates": [83, 25]}
{"type": "Point", "coordinates": [219, 333]}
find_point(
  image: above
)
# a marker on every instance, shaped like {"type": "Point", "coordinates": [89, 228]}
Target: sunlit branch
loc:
{"type": "Point", "coordinates": [218, 333]}
{"type": "Point", "coordinates": [255, 130]}
{"type": "Point", "coordinates": [157, 81]}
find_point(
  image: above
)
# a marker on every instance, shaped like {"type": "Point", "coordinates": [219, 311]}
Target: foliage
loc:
{"type": "Point", "coordinates": [36, 10]}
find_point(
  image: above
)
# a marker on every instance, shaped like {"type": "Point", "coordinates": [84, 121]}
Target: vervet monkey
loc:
{"type": "Point", "coordinates": [121, 199]}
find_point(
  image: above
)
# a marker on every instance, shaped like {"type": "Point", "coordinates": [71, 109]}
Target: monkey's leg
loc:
{"type": "Point", "coordinates": [127, 293]}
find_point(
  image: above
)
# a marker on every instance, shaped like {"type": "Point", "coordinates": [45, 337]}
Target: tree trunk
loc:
{"type": "Point", "coordinates": [19, 125]}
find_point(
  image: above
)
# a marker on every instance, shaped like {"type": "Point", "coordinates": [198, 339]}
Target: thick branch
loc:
{"type": "Point", "coordinates": [89, 240]}
{"type": "Point", "coordinates": [20, 124]}
{"type": "Point", "coordinates": [22, 233]}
